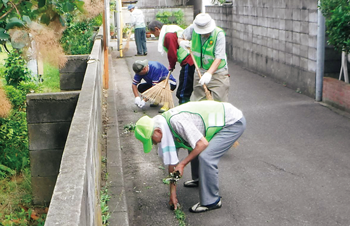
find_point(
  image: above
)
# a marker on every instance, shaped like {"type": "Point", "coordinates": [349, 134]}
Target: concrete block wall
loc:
{"type": "Point", "coordinates": [274, 38]}
{"type": "Point", "coordinates": [49, 116]}
{"type": "Point", "coordinates": [75, 199]}
{"type": "Point", "coordinates": [72, 74]}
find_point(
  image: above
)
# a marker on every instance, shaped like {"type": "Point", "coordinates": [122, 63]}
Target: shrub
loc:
{"type": "Point", "coordinates": [16, 69]}
{"type": "Point", "coordinates": [14, 152]}
{"type": "Point", "coordinates": [167, 17]}
{"type": "Point", "coordinates": [78, 37]}
{"type": "Point", "coordinates": [337, 14]}
{"type": "Point", "coordinates": [97, 21]}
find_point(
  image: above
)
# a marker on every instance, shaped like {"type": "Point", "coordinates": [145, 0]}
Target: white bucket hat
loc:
{"type": "Point", "coordinates": [203, 24]}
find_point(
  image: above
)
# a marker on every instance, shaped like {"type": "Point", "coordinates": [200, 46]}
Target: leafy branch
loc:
{"type": "Point", "coordinates": [337, 14]}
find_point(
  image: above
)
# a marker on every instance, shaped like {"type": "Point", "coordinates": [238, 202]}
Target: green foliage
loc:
{"type": "Point", "coordinates": [44, 11]}
{"type": "Point", "coordinates": [128, 128]}
{"type": "Point", "coordinates": [104, 198]}
{"type": "Point", "coordinates": [112, 5]}
{"type": "Point", "coordinates": [14, 152]}
{"type": "Point", "coordinates": [78, 37]}
{"type": "Point", "coordinates": [14, 141]}
{"type": "Point", "coordinates": [218, 1]}
{"type": "Point", "coordinates": [179, 17]}
{"type": "Point", "coordinates": [16, 69]}
{"type": "Point", "coordinates": [337, 14]}
{"type": "Point", "coordinates": [180, 216]}
{"type": "Point", "coordinates": [97, 21]}
{"type": "Point", "coordinates": [167, 17]}
{"type": "Point", "coordinates": [16, 202]}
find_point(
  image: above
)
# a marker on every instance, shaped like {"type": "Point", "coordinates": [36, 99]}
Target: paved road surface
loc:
{"type": "Point", "coordinates": [292, 166]}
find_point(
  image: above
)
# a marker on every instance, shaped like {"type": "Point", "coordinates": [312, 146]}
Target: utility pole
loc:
{"type": "Point", "coordinates": [321, 40]}
{"type": "Point", "coordinates": [105, 44]}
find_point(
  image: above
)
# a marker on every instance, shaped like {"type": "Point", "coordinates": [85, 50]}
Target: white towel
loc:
{"type": "Point", "coordinates": [169, 28]}
{"type": "Point", "coordinates": [166, 148]}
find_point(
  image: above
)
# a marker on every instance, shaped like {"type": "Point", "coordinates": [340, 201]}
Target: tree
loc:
{"type": "Point", "coordinates": [17, 21]}
{"type": "Point", "coordinates": [337, 14]}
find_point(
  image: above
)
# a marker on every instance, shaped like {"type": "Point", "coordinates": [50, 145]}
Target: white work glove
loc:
{"type": "Point", "coordinates": [137, 100]}
{"type": "Point", "coordinates": [205, 78]}
{"type": "Point", "coordinates": [185, 44]}
{"type": "Point", "coordinates": [141, 104]}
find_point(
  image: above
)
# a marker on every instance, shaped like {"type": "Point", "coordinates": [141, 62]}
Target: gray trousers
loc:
{"type": "Point", "coordinates": [205, 166]}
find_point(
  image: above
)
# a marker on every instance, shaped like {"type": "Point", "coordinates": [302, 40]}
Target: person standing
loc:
{"type": "Point", "coordinates": [140, 30]}
{"type": "Point", "coordinates": [208, 44]}
{"type": "Point", "coordinates": [168, 42]}
{"type": "Point", "coordinates": [207, 129]}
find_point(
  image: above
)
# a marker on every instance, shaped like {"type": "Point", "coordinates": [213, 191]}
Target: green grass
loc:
{"type": "Point", "coordinates": [16, 206]}
{"type": "Point", "coordinates": [51, 79]}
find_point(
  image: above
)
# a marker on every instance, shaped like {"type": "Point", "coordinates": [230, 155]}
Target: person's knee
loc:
{"type": "Point", "coordinates": [203, 158]}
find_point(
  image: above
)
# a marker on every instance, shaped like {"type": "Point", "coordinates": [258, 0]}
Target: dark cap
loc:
{"type": "Point", "coordinates": [139, 65]}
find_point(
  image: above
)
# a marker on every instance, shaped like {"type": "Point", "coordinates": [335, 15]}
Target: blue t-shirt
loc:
{"type": "Point", "coordinates": [155, 73]}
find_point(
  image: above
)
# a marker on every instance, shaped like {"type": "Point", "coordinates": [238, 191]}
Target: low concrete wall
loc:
{"type": "Point", "coordinates": [336, 93]}
{"type": "Point", "coordinates": [72, 74]}
{"type": "Point", "coordinates": [75, 199]}
{"type": "Point", "coordinates": [49, 117]}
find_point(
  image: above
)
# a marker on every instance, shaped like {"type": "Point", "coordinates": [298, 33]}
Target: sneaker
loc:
{"type": "Point", "coordinates": [164, 108]}
{"type": "Point", "coordinates": [138, 54]}
{"type": "Point", "coordinates": [198, 208]}
{"type": "Point", "coordinates": [145, 54]}
{"type": "Point", "coordinates": [191, 183]}
{"type": "Point", "coordinates": [154, 104]}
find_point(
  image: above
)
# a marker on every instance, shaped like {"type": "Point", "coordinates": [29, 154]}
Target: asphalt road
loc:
{"type": "Point", "coordinates": [291, 167]}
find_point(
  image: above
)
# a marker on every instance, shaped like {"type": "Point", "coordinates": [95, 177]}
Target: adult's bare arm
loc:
{"type": "Point", "coordinates": [201, 145]}
{"type": "Point", "coordinates": [214, 66]}
{"type": "Point", "coordinates": [173, 198]}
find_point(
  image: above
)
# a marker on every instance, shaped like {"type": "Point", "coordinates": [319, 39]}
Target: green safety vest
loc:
{"type": "Point", "coordinates": [205, 54]}
{"type": "Point", "coordinates": [212, 114]}
{"type": "Point", "coordinates": [181, 52]}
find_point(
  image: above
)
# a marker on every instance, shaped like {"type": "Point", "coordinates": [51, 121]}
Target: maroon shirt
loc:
{"type": "Point", "coordinates": [170, 42]}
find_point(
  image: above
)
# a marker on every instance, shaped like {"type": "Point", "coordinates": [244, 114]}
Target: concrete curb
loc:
{"type": "Point", "coordinates": [117, 205]}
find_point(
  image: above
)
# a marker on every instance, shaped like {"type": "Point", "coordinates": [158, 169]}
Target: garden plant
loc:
{"type": "Point", "coordinates": [33, 30]}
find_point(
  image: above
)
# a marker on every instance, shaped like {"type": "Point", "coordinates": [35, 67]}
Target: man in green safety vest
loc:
{"type": "Point", "coordinates": [168, 43]}
{"type": "Point", "coordinates": [208, 45]}
{"type": "Point", "coordinates": [207, 129]}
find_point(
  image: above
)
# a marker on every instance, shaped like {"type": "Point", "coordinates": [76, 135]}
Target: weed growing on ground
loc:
{"type": "Point", "coordinates": [180, 216]}
{"type": "Point", "coordinates": [129, 128]}
{"type": "Point", "coordinates": [104, 198]}
{"type": "Point", "coordinates": [16, 202]}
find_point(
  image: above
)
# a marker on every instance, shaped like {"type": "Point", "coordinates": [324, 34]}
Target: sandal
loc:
{"type": "Point", "coordinates": [198, 208]}
{"type": "Point", "coordinates": [191, 183]}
